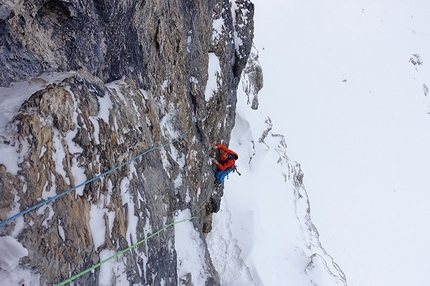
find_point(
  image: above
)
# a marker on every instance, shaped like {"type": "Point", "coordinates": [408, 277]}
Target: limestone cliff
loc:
{"type": "Point", "coordinates": [87, 86]}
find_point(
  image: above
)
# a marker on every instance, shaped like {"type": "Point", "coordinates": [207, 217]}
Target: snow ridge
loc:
{"type": "Point", "coordinates": [310, 236]}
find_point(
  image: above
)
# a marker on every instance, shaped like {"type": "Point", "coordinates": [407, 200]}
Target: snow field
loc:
{"type": "Point", "coordinates": [354, 113]}
{"type": "Point", "coordinates": [262, 220]}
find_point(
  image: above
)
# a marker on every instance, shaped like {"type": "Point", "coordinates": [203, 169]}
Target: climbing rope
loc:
{"type": "Point", "coordinates": [207, 198]}
{"type": "Point", "coordinates": [2, 223]}
{"type": "Point", "coordinates": [121, 252]}
{"type": "Point", "coordinates": [136, 244]}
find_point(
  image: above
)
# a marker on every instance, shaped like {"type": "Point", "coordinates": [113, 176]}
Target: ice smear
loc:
{"type": "Point", "coordinates": [79, 176]}
{"type": "Point", "coordinates": [235, 11]}
{"type": "Point", "coordinates": [42, 210]}
{"type": "Point", "coordinates": [116, 86]}
{"type": "Point", "coordinates": [189, 40]}
{"type": "Point", "coordinates": [96, 130]}
{"type": "Point", "coordinates": [165, 161]}
{"type": "Point", "coordinates": [59, 155]}
{"type": "Point", "coordinates": [166, 123]}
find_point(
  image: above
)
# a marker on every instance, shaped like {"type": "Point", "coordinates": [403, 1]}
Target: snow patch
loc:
{"type": "Point", "coordinates": [11, 158]}
{"type": "Point", "coordinates": [112, 272]}
{"type": "Point", "coordinates": [190, 250]}
{"type": "Point", "coordinates": [105, 104]}
{"type": "Point", "coordinates": [132, 220]}
{"type": "Point", "coordinates": [61, 232]}
{"type": "Point", "coordinates": [214, 70]}
{"type": "Point", "coordinates": [97, 225]}
{"type": "Point", "coordinates": [11, 251]}
{"type": "Point", "coordinates": [12, 97]}
{"type": "Point", "coordinates": [79, 176]}
{"type": "Point", "coordinates": [96, 129]}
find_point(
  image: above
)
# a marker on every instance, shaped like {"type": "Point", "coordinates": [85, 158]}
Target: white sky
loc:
{"type": "Point", "coordinates": [364, 144]}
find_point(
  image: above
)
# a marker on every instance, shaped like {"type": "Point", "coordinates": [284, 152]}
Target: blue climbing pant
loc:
{"type": "Point", "coordinates": [220, 175]}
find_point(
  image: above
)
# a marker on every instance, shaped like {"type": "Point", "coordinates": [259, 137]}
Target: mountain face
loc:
{"type": "Point", "coordinates": [116, 93]}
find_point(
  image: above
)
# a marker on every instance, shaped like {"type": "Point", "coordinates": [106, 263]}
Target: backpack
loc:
{"type": "Point", "coordinates": [220, 175]}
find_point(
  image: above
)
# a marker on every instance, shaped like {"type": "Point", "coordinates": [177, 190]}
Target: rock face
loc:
{"type": "Point", "coordinates": [252, 79]}
{"type": "Point", "coordinates": [112, 80]}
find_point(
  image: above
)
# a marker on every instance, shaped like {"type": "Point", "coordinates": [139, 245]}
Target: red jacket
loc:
{"type": "Point", "coordinates": [229, 163]}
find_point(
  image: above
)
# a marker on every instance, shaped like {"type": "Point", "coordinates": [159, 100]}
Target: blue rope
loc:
{"type": "Point", "coordinates": [89, 181]}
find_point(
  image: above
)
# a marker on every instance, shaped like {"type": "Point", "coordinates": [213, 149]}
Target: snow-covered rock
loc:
{"type": "Point", "coordinates": [114, 90]}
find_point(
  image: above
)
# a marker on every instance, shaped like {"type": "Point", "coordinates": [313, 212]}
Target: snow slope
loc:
{"type": "Point", "coordinates": [342, 86]}
{"type": "Point", "coordinates": [263, 233]}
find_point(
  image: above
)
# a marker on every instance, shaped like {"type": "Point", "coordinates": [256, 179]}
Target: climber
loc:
{"type": "Point", "coordinates": [227, 164]}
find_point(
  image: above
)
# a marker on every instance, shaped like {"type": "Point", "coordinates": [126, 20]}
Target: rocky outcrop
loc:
{"type": "Point", "coordinates": [252, 79]}
{"type": "Point", "coordinates": [114, 79]}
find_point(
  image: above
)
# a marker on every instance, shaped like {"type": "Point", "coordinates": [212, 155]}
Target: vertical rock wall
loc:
{"type": "Point", "coordinates": [129, 76]}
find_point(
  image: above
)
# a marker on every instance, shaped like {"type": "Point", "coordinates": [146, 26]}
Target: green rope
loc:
{"type": "Point", "coordinates": [121, 252]}
{"type": "Point", "coordinates": [136, 244]}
